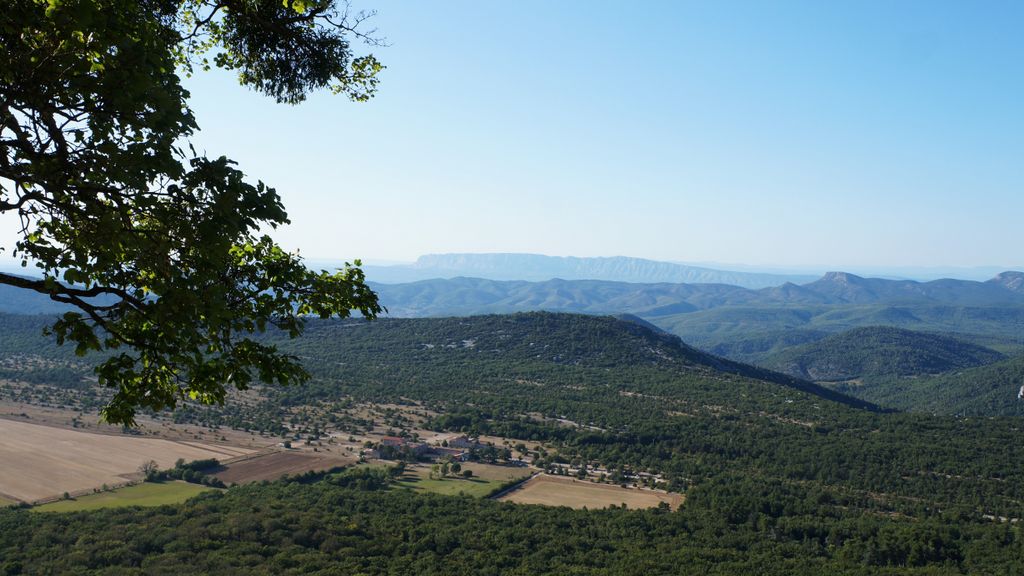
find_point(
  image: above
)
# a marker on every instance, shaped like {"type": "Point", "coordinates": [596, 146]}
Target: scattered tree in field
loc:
{"type": "Point", "coordinates": [149, 469]}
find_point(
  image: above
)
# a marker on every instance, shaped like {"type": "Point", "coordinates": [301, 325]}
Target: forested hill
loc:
{"type": "Point", "coordinates": [537, 338]}
{"type": "Point", "coordinates": [741, 324]}
{"type": "Point", "coordinates": [772, 474]}
{"type": "Point", "coordinates": [989, 390]}
{"type": "Point", "coordinates": [529, 338]}
{"type": "Point", "coordinates": [879, 351]}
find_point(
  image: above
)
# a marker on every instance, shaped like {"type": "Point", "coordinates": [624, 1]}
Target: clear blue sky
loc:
{"type": "Point", "coordinates": [832, 134]}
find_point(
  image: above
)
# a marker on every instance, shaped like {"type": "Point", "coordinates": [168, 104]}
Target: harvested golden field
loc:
{"type": "Point", "coordinates": [38, 462]}
{"type": "Point", "coordinates": [147, 426]}
{"type": "Point", "coordinates": [273, 465]}
{"type": "Point", "coordinates": [562, 491]}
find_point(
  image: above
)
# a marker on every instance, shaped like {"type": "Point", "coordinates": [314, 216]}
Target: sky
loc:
{"type": "Point", "coordinates": [787, 134]}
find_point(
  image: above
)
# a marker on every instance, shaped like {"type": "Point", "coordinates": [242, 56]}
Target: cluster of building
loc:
{"type": "Point", "coordinates": [458, 449]}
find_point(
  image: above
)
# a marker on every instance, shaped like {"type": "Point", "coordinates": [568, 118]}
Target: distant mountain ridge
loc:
{"type": "Point", "coordinates": [472, 295]}
{"type": "Point", "coordinates": [464, 296]}
{"type": "Point", "coordinates": [538, 268]}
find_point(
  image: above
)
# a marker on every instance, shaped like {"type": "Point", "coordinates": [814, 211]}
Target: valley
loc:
{"type": "Point", "coordinates": [560, 412]}
{"type": "Point", "coordinates": [344, 287]}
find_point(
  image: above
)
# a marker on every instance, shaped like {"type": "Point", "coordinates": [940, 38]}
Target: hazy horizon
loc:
{"type": "Point", "coordinates": [921, 273]}
{"type": "Point", "coordinates": [800, 136]}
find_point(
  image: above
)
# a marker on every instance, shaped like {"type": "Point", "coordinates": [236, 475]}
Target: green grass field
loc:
{"type": "Point", "coordinates": [145, 494]}
{"type": "Point", "coordinates": [6, 502]}
{"type": "Point", "coordinates": [418, 479]}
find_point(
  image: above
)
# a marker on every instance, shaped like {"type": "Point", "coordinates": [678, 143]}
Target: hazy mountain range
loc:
{"type": "Point", "coordinates": [464, 296]}
{"type": "Point", "coordinates": [538, 268]}
{"type": "Point", "coordinates": [741, 323]}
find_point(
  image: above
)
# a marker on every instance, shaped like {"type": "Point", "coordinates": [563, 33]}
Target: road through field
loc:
{"type": "Point", "coordinates": [38, 462]}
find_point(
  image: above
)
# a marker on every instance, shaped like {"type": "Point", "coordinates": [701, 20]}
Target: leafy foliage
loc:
{"type": "Point", "coordinates": [161, 252]}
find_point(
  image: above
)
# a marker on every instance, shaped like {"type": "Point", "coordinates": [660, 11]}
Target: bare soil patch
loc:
{"type": "Point", "coordinates": [273, 465]}
{"type": "Point", "coordinates": [560, 491]}
{"type": "Point", "coordinates": [38, 462]}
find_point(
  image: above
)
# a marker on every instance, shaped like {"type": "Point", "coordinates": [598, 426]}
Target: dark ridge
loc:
{"type": "Point", "coordinates": [880, 351]}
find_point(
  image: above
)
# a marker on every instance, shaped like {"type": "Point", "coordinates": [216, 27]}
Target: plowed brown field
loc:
{"type": "Point", "coordinates": [276, 464]}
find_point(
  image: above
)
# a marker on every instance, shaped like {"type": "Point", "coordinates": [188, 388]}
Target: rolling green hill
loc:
{"type": "Point", "coordinates": [739, 323]}
{"type": "Point", "coordinates": [875, 351]}
{"type": "Point", "coordinates": [752, 349]}
{"type": "Point", "coordinates": [540, 340]}
{"type": "Point", "coordinates": [721, 329]}
{"type": "Point", "coordinates": [781, 476]}
{"type": "Point", "coordinates": [989, 390]}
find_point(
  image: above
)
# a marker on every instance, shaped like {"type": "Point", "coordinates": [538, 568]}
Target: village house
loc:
{"type": "Point", "coordinates": [463, 442]}
{"type": "Point", "coordinates": [453, 453]}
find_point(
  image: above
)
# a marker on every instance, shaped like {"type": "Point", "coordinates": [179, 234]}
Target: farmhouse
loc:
{"type": "Point", "coordinates": [463, 442]}
{"type": "Point", "coordinates": [453, 453]}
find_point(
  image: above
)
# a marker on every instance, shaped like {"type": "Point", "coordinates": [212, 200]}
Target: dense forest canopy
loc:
{"type": "Point", "coordinates": [880, 351]}
{"type": "Point", "coordinates": [780, 475]}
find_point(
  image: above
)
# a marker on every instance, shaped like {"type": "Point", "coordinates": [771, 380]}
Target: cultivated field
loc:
{"type": "Point", "coordinates": [42, 462]}
{"type": "Point", "coordinates": [147, 426]}
{"type": "Point", "coordinates": [499, 473]}
{"type": "Point", "coordinates": [145, 494]}
{"type": "Point", "coordinates": [561, 491]}
{"type": "Point", "coordinates": [418, 479]}
{"type": "Point", "coordinates": [273, 465]}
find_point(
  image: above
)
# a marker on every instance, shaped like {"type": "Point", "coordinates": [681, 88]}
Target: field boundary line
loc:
{"type": "Point", "coordinates": [85, 492]}
{"type": "Point", "coordinates": [11, 498]}
{"type": "Point", "coordinates": [516, 486]}
{"type": "Point", "coordinates": [250, 456]}
{"type": "Point", "coordinates": [219, 449]}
